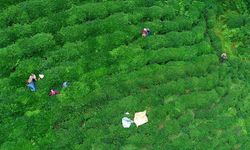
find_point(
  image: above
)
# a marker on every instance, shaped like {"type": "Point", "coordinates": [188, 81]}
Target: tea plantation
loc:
{"type": "Point", "coordinates": [193, 100]}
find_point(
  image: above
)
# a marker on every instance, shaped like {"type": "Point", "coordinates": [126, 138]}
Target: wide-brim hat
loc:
{"type": "Point", "coordinates": [41, 76]}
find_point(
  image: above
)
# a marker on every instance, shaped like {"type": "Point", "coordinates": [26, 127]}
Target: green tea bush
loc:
{"type": "Point", "coordinates": [51, 24]}
{"type": "Point", "coordinates": [155, 12]}
{"type": "Point", "coordinates": [241, 36]}
{"type": "Point", "coordinates": [9, 57]}
{"type": "Point", "coordinates": [91, 11]}
{"type": "Point", "coordinates": [118, 6]}
{"type": "Point", "coordinates": [170, 12]}
{"type": "Point", "coordinates": [56, 6]}
{"type": "Point", "coordinates": [215, 41]}
{"type": "Point", "coordinates": [196, 10]}
{"type": "Point", "coordinates": [204, 62]}
{"type": "Point", "coordinates": [85, 12]}
{"type": "Point", "coordinates": [204, 48]}
{"type": "Point", "coordinates": [76, 32]}
{"type": "Point", "coordinates": [73, 33]}
{"type": "Point", "coordinates": [12, 15]}
{"type": "Point", "coordinates": [211, 18]}
{"type": "Point", "coordinates": [174, 74]}
{"type": "Point", "coordinates": [179, 24]}
{"type": "Point", "coordinates": [184, 23]}
{"type": "Point", "coordinates": [34, 9]}
{"type": "Point", "coordinates": [36, 45]}
{"type": "Point", "coordinates": [5, 4]}
{"type": "Point", "coordinates": [236, 21]}
{"type": "Point", "coordinates": [136, 17]}
{"type": "Point", "coordinates": [171, 54]}
{"type": "Point", "coordinates": [69, 52]}
{"type": "Point", "coordinates": [29, 11]}
{"type": "Point", "coordinates": [46, 25]}
{"type": "Point", "coordinates": [110, 41]}
{"type": "Point", "coordinates": [10, 35]}
{"type": "Point", "coordinates": [198, 100]}
{"type": "Point", "coordinates": [170, 26]}
{"type": "Point", "coordinates": [175, 54]}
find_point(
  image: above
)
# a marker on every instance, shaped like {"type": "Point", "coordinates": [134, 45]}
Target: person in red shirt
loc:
{"type": "Point", "coordinates": [53, 92]}
{"type": "Point", "coordinates": [145, 32]}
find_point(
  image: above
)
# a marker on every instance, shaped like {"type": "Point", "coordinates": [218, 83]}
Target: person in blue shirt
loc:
{"type": "Point", "coordinates": [31, 82]}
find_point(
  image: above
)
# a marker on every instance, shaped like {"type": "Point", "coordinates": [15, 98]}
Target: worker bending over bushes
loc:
{"type": "Point", "coordinates": [223, 57]}
{"type": "Point", "coordinates": [145, 32]}
{"type": "Point", "coordinates": [32, 82]}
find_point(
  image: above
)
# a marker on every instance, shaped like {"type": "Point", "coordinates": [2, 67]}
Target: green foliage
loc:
{"type": "Point", "coordinates": [192, 100]}
{"type": "Point", "coordinates": [235, 21]}
{"type": "Point", "coordinates": [13, 14]}
{"type": "Point", "coordinates": [37, 44]}
{"type": "Point", "coordinates": [215, 40]}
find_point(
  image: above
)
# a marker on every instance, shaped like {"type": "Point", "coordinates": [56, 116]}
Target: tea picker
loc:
{"type": "Point", "coordinates": [145, 32]}
{"type": "Point", "coordinates": [223, 57]}
{"type": "Point", "coordinates": [53, 92]}
{"type": "Point", "coordinates": [32, 82]}
{"type": "Point", "coordinates": [126, 122]}
{"type": "Point", "coordinates": [65, 84]}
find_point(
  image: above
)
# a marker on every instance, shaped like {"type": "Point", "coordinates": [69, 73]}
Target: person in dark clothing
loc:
{"type": "Point", "coordinates": [223, 57]}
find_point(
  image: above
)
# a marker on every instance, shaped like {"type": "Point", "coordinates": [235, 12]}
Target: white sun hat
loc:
{"type": "Point", "coordinates": [41, 76]}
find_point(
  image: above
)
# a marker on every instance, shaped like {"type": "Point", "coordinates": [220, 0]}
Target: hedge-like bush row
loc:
{"type": "Point", "coordinates": [179, 24]}
{"type": "Point", "coordinates": [133, 57]}
{"type": "Point", "coordinates": [10, 35]}
{"type": "Point", "coordinates": [28, 11]}
{"type": "Point", "coordinates": [197, 100]}
{"type": "Point", "coordinates": [143, 95]}
{"type": "Point", "coordinates": [54, 22]}
{"type": "Point", "coordinates": [174, 39]}
{"type": "Point", "coordinates": [215, 41]}
{"type": "Point", "coordinates": [165, 90]}
{"type": "Point", "coordinates": [51, 24]}
{"type": "Point", "coordinates": [132, 82]}
{"type": "Point", "coordinates": [5, 4]}
{"type": "Point", "coordinates": [23, 49]}
{"type": "Point", "coordinates": [176, 77]}
{"type": "Point", "coordinates": [192, 15]}
{"type": "Point", "coordinates": [119, 21]}
{"type": "Point", "coordinates": [187, 85]}
{"type": "Point", "coordinates": [76, 14]}
{"type": "Point", "coordinates": [177, 54]}
{"type": "Point", "coordinates": [150, 96]}
{"type": "Point", "coordinates": [101, 10]}
{"type": "Point", "coordinates": [113, 23]}
{"type": "Point", "coordinates": [172, 71]}
{"type": "Point", "coordinates": [196, 10]}
{"type": "Point", "coordinates": [86, 45]}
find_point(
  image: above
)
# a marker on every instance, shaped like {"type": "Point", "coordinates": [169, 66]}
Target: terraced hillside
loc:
{"type": "Point", "coordinates": [193, 101]}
